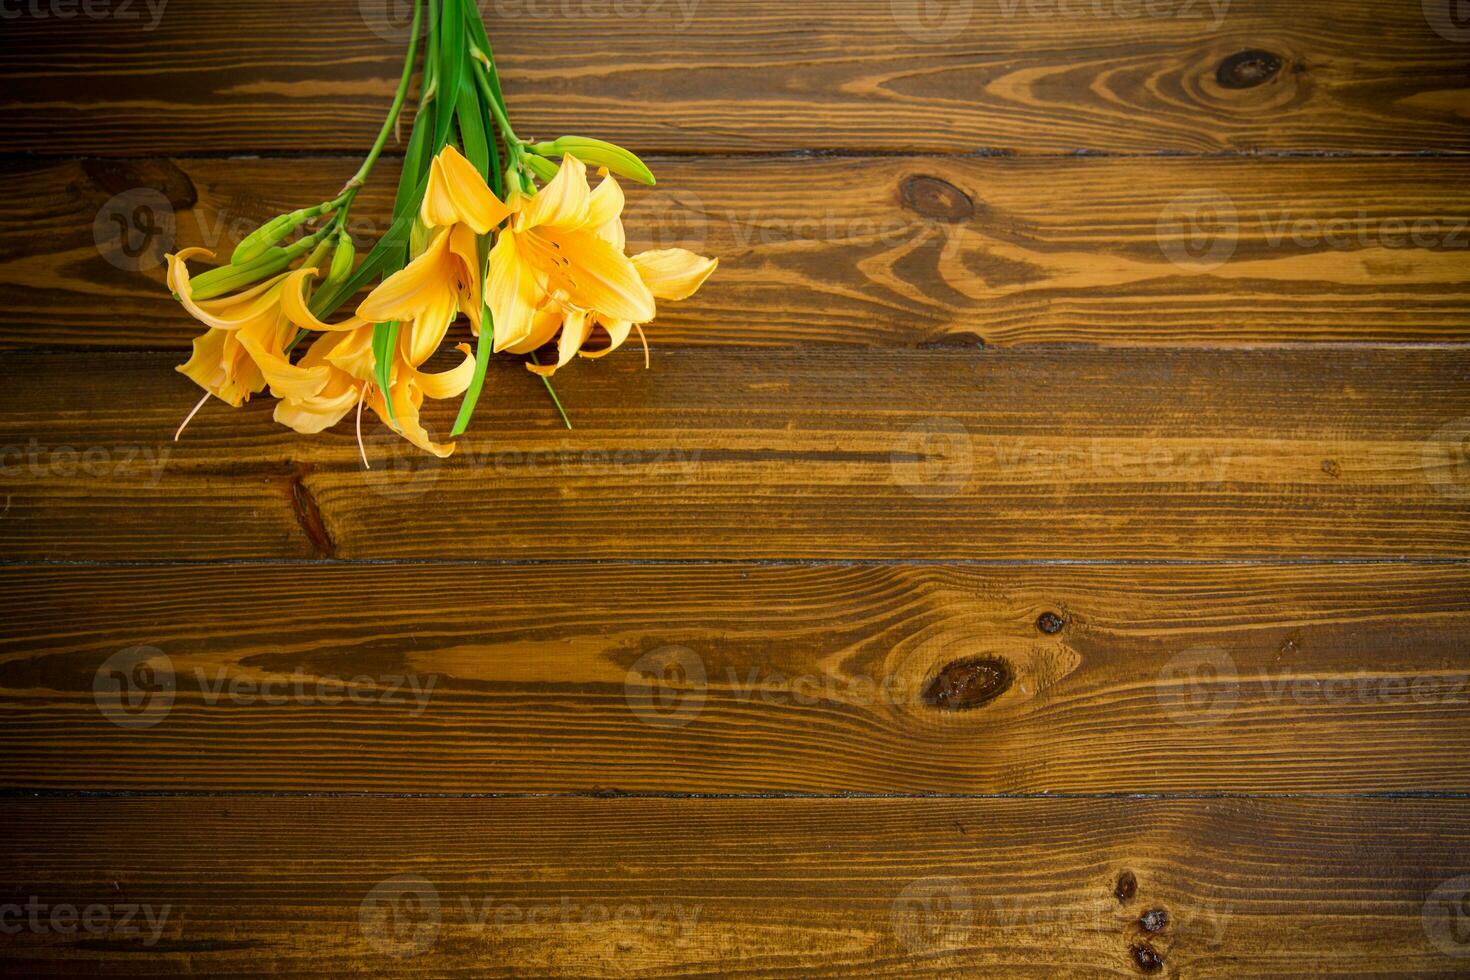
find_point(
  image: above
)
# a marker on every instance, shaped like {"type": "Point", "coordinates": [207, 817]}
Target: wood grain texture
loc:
{"type": "Point", "coordinates": [769, 888]}
{"type": "Point", "coordinates": [1029, 76]}
{"type": "Point", "coordinates": [737, 679]}
{"type": "Point", "coordinates": [899, 455]}
{"type": "Point", "coordinates": [913, 252]}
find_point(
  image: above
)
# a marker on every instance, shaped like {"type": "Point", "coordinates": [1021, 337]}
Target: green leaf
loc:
{"type": "Point", "coordinates": [452, 57]}
{"type": "Point", "coordinates": [391, 248]}
{"type": "Point", "coordinates": [471, 115]}
{"type": "Point", "coordinates": [385, 336]}
{"type": "Point", "coordinates": [484, 349]}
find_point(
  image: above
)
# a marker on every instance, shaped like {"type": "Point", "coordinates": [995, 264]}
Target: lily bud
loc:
{"type": "Point", "coordinates": [271, 233]}
{"type": "Point", "coordinates": [541, 167]}
{"type": "Point", "coordinates": [228, 278]}
{"type": "Point", "coordinates": [343, 258]}
{"type": "Point", "coordinates": [599, 153]}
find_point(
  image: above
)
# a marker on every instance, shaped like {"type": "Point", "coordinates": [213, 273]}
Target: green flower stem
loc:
{"type": "Point", "coordinates": [399, 98]}
{"type": "Point", "coordinates": [551, 391]}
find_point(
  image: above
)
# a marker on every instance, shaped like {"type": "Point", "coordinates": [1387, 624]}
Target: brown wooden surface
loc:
{"type": "Point", "coordinates": [913, 252]}
{"type": "Point", "coordinates": [744, 679]}
{"type": "Point", "coordinates": [1050, 455]}
{"type": "Point", "coordinates": [1041, 550]}
{"type": "Point", "coordinates": [1026, 76]}
{"type": "Point", "coordinates": [771, 888]}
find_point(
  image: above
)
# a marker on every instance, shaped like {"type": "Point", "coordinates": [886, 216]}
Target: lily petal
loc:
{"type": "Point", "coordinates": [617, 335]}
{"type": "Point", "coordinates": [451, 383]}
{"type": "Point", "coordinates": [574, 334]}
{"type": "Point", "coordinates": [415, 287]}
{"type": "Point", "coordinates": [457, 193]}
{"type": "Point", "coordinates": [604, 279]}
{"type": "Point", "coordinates": [514, 295]}
{"type": "Point", "coordinates": [563, 202]}
{"type": "Point", "coordinates": [293, 302]}
{"type": "Point", "coordinates": [674, 273]}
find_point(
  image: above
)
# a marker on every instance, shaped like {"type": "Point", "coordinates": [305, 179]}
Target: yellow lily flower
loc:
{"type": "Point", "coordinates": [347, 359]}
{"type": "Point", "coordinates": [668, 274]}
{"type": "Point", "coordinates": [564, 245]}
{"type": "Point", "coordinates": [245, 347]}
{"type": "Point", "coordinates": [444, 280]}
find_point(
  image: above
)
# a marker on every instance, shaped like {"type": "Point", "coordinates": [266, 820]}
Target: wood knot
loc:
{"type": "Point", "coordinates": [1146, 958]}
{"type": "Point", "coordinates": [937, 199]}
{"type": "Point", "coordinates": [1332, 468]}
{"type": "Point", "coordinates": [1050, 623]}
{"type": "Point", "coordinates": [968, 684]}
{"type": "Point", "coordinates": [1126, 887]}
{"type": "Point", "coordinates": [1154, 920]}
{"type": "Point", "coordinates": [164, 176]}
{"type": "Point", "coordinates": [1247, 69]}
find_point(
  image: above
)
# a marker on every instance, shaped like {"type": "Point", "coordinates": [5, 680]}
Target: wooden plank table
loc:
{"type": "Point", "coordinates": [1043, 549]}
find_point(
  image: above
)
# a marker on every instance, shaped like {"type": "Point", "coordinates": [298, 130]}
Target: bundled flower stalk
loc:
{"type": "Point", "coordinates": [505, 231]}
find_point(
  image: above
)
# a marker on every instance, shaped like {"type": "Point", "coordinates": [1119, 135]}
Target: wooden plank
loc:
{"type": "Point", "coordinates": [1029, 76]}
{"type": "Point", "coordinates": [1062, 454]}
{"type": "Point", "coordinates": [914, 252]}
{"type": "Point", "coordinates": [737, 679]}
{"type": "Point", "coordinates": [770, 888]}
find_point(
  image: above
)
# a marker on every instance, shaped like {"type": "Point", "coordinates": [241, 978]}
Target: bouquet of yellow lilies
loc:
{"type": "Point", "coordinates": [484, 224]}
